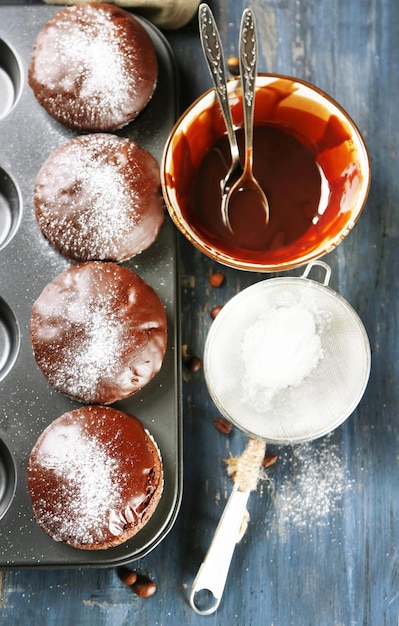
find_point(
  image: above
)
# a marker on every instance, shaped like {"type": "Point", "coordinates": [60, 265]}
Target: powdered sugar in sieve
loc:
{"type": "Point", "coordinates": [287, 360]}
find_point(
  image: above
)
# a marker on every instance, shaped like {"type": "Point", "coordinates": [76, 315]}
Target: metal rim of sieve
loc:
{"type": "Point", "coordinates": [323, 400]}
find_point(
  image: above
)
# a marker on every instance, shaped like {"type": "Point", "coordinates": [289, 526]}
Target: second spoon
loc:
{"type": "Point", "coordinates": [246, 191]}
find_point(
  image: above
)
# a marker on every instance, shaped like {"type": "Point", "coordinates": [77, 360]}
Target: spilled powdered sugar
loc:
{"type": "Point", "coordinates": [87, 485]}
{"type": "Point", "coordinates": [314, 490]}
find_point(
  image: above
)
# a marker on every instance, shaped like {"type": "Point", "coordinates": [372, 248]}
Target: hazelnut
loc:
{"type": "Point", "coordinates": [269, 460]}
{"type": "Point", "coordinates": [144, 587]}
{"type": "Point", "coordinates": [216, 310]}
{"type": "Point", "coordinates": [222, 425]}
{"type": "Point", "coordinates": [194, 364]}
{"type": "Point", "coordinates": [127, 576]}
{"type": "Point", "coordinates": [216, 279]}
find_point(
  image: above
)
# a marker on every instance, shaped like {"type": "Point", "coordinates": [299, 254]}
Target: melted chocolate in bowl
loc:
{"type": "Point", "coordinates": [308, 157]}
{"type": "Point", "coordinates": [284, 168]}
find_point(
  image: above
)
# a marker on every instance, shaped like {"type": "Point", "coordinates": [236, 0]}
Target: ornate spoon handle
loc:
{"type": "Point", "coordinates": [248, 70]}
{"type": "Point", "coordinates": [213, 52]}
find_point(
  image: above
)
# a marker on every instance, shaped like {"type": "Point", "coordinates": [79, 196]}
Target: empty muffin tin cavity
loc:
{"type": "Point", "coordinates": [10, 79]}
{"type": "Point", "coordinates": [9, 338]}
{"type": "Point", "coordinates": [10, 207]}
{"type": "Point", "coordinates": [8, 478]}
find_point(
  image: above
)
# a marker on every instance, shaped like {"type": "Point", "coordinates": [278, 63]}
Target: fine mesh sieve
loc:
{"type": "Point", "coordinates": [324, 397]}
{"type": "Point", "coordinates": [293, 403]}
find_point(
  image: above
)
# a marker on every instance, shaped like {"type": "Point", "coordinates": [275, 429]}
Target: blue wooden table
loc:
{"type": "Point", "coordinates": [322, 544]}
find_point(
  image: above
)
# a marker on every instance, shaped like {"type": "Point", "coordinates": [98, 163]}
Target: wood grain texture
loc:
{"type": "Point", "coordinates": [334, 562]}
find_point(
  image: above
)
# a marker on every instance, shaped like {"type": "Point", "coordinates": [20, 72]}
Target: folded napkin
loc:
{"type": "Point", "coordinates": [168, 14]}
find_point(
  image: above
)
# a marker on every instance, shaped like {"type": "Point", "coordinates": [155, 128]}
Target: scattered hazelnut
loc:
{"type": "Point", "coordinates": [144, 587]}
{"type": "Point", "coordinates": [194, 364]}
{"type": "Point", "coordinates": [127, 576]}
{"type": "Point", "coordinates": [269, 460]}
{"type": "Point", "coordinates": [222, 425]}
{"type": "Point", "coordinates": [233, 65]}
{"type": "Point", "coordinates": [216, 310]}
{"type": "Point", "coordinates": [216, 279]}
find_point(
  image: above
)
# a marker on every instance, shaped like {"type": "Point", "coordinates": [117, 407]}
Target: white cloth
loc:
{"type": "Point", "coordinates": [169, 14]}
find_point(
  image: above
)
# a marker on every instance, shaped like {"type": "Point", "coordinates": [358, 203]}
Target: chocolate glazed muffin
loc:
{"type": "Point", "coordinates": [97, 197]}
{"type": "Point", "coordinates": [94, 477]}
{"type": "Point", "coordinates": [93, 67]}
{"type": "Point", "coordinates": [98, 332]}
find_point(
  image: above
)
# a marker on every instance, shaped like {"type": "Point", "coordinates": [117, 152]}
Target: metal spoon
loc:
{"type": "Point", "coordinates": [246, 183]}
{"type": "Point", "coordinates": [213, 52]}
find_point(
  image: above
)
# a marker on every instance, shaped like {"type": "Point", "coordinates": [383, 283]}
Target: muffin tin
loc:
{"type": "Point", "coordinates": [28, 263]}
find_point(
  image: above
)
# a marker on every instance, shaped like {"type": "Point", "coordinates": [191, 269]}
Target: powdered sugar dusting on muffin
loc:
{"type": "Point", "coordinates": [94, 477]}
{"type": "Point", "coordinates": [93, 355]}
{"type": "Point", "coordinates": [87, 487]}
{"type": "Point", "coordinates": [94, 67]}
{"type": "Point", "coordinates": [103, 214]}
{"type": "Point", "coordinates": [98, 332]}
{"type": "Point", "coordinates": [98, 197]}
{"type": "Point", "coordinates": [95, 47]}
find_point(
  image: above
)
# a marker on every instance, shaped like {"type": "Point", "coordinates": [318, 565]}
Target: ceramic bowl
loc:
{"type": "Point", "coordinates": [298, 231]}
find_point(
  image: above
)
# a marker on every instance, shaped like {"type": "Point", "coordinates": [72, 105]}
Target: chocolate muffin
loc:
{"type": "Point", "coordinates": [97, 197]}
{"type": "Point", "coordinates": [98, 332]}
{"type": "Point", "coordinates": [93, 67]}
{"type": "Point", "coordinates": [94, 477]}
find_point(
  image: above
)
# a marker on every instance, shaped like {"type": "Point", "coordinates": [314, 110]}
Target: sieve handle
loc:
{"type": "Point", "coordinates": [322, 264]}
{"type": "Point", "coordinates": [213, 572]}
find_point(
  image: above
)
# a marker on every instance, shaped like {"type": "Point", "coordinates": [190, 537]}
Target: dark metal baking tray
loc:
{"type": "Point", "coordinates": [27, 264]}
